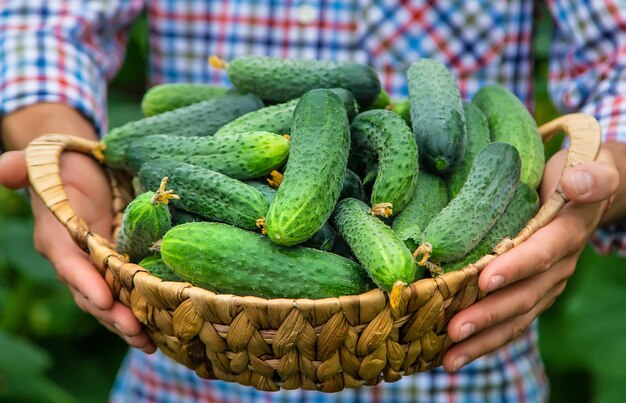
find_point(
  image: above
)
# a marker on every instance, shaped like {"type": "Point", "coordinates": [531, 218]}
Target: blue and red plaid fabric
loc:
{"type": "Point", "coordinates": [67, 50]}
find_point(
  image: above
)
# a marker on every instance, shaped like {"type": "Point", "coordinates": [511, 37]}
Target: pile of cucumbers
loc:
{"type": "Point", "coordinates": [304, 180]}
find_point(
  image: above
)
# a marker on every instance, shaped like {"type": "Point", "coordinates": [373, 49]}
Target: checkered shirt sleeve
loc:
{"type": "Point", "coordinates": [588, 74]}
{"type": "Point", "coordinates": [62, 51]}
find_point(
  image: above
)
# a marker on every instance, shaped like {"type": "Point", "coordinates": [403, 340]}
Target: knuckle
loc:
{"type": "Point", "coordinates": [545, 259]}
{"type": "Point", "coordinates": [528, 300]}
{"type": "Point", "coordinates": [518, 328]}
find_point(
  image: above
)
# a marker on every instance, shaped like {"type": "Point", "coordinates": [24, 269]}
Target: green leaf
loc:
{"type": "Point", "coordinates": [20, 357]}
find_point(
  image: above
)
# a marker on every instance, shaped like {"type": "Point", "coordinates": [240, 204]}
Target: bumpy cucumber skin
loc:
{"type": "Point", "coordinates": [436, 115]}
{"type": "Point", "coordinates": [279, 80]}
{"type": "Point", "coordinates": [385, 257]}
{"type": "Point", "coordinates": [199, 119]}
{"type": "Point", "coordinates": [313, 178]}
{"type": "Point", "coordinates": [143, 223]}
{"type": "Point", "coordinates": [157, 267]}
{"type": "Point", "coordinates": [278, 118]}
{"type": "Point", "coordinates": [482, 200]}
{"type": "Point", "coordinates": [478, 136]}
{"type": "Point", "coordinates": [429, 198]}
{"type": "Point", "coordinates": [207, 193]}
{"type": "Point", "coordinates": [510, 122]}
{"type": "Point", "coordinates": [246, 155]}
{"type": "Point", "coordinates": [394, 144]}
{"type": "Point", "coordinates": [524, 205]}
{"type": "Point", "coordinates": [167, 97]}
{"type": "Point", "coordinates": [229, 260]}
{"type": "Point", "coordinates": [352, 186]}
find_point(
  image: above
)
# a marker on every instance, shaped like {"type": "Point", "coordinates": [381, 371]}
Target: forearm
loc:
{"type": "Point", "coordinates": [23, 125]}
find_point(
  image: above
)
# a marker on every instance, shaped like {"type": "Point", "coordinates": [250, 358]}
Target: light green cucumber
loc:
{"type": "Point", "coordinates": [278, 118]}
{"type": "Point", "coordinates": [478, 136]}
{"type": "Point", "coordinates": [169, 96]}
{"type": "Point", "coordinates": [429, 198]}
{"type": "Point", "coordinates": [403, 109]}
{"type": "Point", "coordinates": [314, 173]}
{"type": "Point", "coordinates": [199, 119]}
{"type": "Point", "coordinates": [242, 156]}
{"type": "Point", "coordinates": [511, 122]}
{"type": "Point", "coordinates": [468, 217]}
{"type": "Point", "coordinates": [207, 193]}
{"type": "Point", "coordinates": [436, 115]}
{"type": "Point", "coordinates": [385, 257]}
{"type": "Point", "coordinates": [387, 136]}
{"type": "Point", "coordinates": [144, 221]}
{"type": "Point", "coordinates": [229, 260]}
{"type": "Point", "coordinates": [523, 207]}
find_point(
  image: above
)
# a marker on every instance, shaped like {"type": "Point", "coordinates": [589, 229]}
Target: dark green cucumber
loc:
{"type": "Point", "coordinates": [382, 101]}
{"type": "Point", "coordinates": [323, 239]}
{"type": "Point", "coordinates": [169, 96]}
{"type": "Point", "coordinates": [229, 260]}
{"type": "Point", "coordinates": [279, 80]}
{"type": "Point", "coordinates": [521, 209]}
{"type": "Point", "coordinates": [242, 156]}
{"type": "Point", "coordinates": [391, 140]}
{"type": "Point", "coordinates": [478, 136]}
{"type": "Point", "coordinates": [145, 221]}
{"type": "Point", "coordinates": [385, 257]}
{"type": "Point", "coordinates": [489, 187]}
{"type": "Point", "coordinates": [403, 109]}
{"type": "Point", "coordinates": [429, 198]}
{"type": "Point", "coordinates": [352, 186]}
{"type": "Point", "coordinates": [181, 216]}
{"type": "Point", "coordinates": [157, 267]}
{"type": "Point", "coordinates": [278, 118]}
{"type": "Point", "coordinates": [511, 122]}
{"type": "Point", "coordinates": [313, 178]}
{"type": "Point", "coordinates": [199, 119]}
{"type": "Point", "coordinates": [436, 115]}
{"type": "Point", "coordinates": [207, 193]}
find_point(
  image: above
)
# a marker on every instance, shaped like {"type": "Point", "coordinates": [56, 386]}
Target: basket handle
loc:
{"type": "Point", "coordinates": [43, 163]}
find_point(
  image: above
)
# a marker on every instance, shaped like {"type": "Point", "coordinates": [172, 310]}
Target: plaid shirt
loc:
{"type": "Point", "coordinates": [66, 51]}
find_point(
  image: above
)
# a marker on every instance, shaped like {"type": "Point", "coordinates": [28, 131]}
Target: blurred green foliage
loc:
{"type": "Point", "coordinates": [53, 352]}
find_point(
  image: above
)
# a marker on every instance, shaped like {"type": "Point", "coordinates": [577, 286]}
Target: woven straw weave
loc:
{"type": "Point", "coordinates": [327, 344]}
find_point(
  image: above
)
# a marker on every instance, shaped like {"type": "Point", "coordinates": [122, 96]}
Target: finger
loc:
{"type": "Point", "coordinates": [566, 235]}
{"type": "Point", "coordinates": [516, 299]}
{"type": "Point", "coordinates": [13, 172]}
{"type": "Point", "coordinates": [495, 337]}
{"type": "Point", "coordinates": [593, 181]}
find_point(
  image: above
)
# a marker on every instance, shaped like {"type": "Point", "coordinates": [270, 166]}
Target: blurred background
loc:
{"type": "Point", "coordinates": [50, 351]}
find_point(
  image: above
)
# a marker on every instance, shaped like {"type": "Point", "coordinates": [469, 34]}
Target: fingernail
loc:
{"type": "Point", "coordinates": [466, 330]}
{"type": "Point", "coordinates": [581, 182]}
{"type": "Point", "coordinates": [117, 326]}
{"type": "Point", "coordinates": [495, 282]}
{"type": "Point", "coordinates": [458, 363]}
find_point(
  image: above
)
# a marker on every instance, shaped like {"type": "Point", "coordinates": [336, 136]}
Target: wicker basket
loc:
{"type": "Point", "coordinates": [327, 344]}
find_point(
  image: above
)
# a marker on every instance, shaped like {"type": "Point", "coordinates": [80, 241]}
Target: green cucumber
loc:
{"type": "Point", "coordinates": [436, 115]}
{"type": "Point", "coordinates": [385, 257]}
{"type": "Point", "coordinates": [169, 96]}
{"type": "Point", "coordinates": [429, 198]}
{"type": "Point", "coordinates": [402, 108]}
{"type": "Point", "coordinates": [279, 80]}
{"type": "Point", "coordinates": [352, 186]}
{"type": "Point", "coordinates": [382, 101]}
{"type": "Point", "coordinates": [181, 216]}
{"type": "Point", "coordinates": [229, 260]}
{"type": "Point", "coordinates": [207, 193]}
{"type": "Point", "coordinates": [511, 122]}
{"type": "Point", "coordinates": [387, 136]}
{"type": "Point", "coordinates": [199, 119]}
{"type": "Point", "coordinates": [144, 221]}
{"type": "Point", "coordinates": [157, 267]}
{"type": "Point", "coordinates": [278, 118]}
{"type": "Point", "coordinates": [313, 178]}
{"type": "Point", "coordinates": [242, 156]}
{"type": "Point", "coordinates": [490, 185]}
{"type": "Point", "coordinates": [478, 136]}
{"type": "Point", "coordinates": [523, 206]}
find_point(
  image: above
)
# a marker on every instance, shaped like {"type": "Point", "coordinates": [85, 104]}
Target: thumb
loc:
{"type": "Point", "coordinates": [593, 181]}
{"type": "Point", "coordinates": [13, 172]}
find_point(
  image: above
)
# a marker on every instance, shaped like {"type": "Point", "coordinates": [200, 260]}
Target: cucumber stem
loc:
{"type": "Point", "coordinates": [156, 247]}
{"type": "Point", "coordinates": [425, 250]}
{"type": "Point", "coordinates": [276, 178]}
{"type": "Point", "coordinates": [217, 63]}
{"type": "Point", "coordinates": [162, 195]}
{"type": "Point", "coordinates": [260, 223]}
{"type": "Point", "coordinates": [396, 294]}
{"type": "Point", "coordinates": [382, 210]}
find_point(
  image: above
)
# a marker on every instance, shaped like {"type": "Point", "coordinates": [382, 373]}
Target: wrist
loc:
{"type": "Point", "coordinates": [20, 127]}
